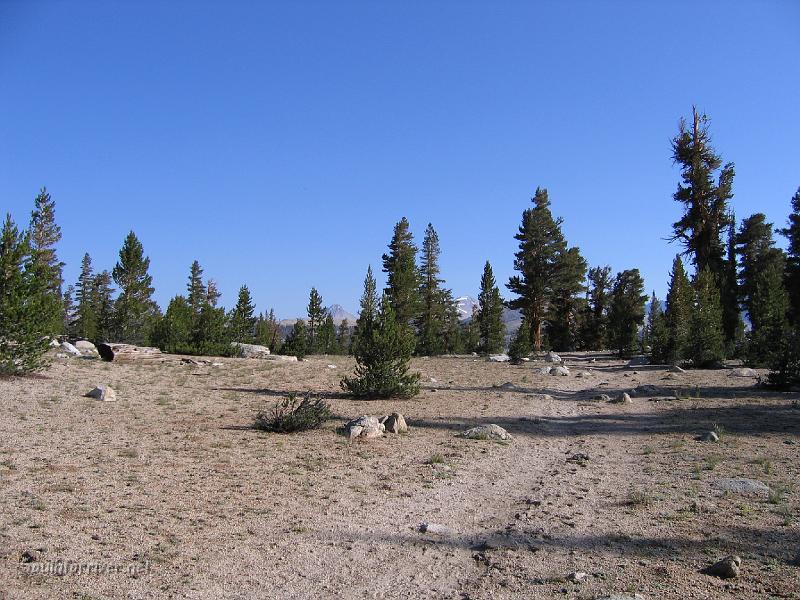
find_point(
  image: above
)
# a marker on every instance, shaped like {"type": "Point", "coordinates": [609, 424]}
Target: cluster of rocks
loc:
{"type": "Point", "coordinates": [368, 427]}
{"type": "Point", "coordinates": [80, 349]}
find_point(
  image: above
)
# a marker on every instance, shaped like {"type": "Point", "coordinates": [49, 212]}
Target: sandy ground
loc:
{"type": "Point", "coordinates": [169, 493]}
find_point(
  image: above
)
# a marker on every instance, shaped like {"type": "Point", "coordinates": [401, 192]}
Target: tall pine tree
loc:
{"type": "Point", "coordinates": [678, 314]}
{"type": "Point", "coordinates": [626, 312]}
{"type": "Point", "coordinates": [433, 298]}
{"type": "Point", "coordinates": [316, 316]}
{"type": "Point", "coordinates": [792, 233]}
{"type": "Point", "coordinates": [598, 298]}
{"type": "Point", "coordinates": [134, 308]}
{"type": "Point", "coordinates": [563, 312]}
{"type": "Point", "coordinates": [367, 313]}
{"type": "Point", "coordinates": [85, 323]}
{"type": "Point", "coordinates": [402, 275]}
{"type": "Point", "coordinates": [706, 337]}
{"type": "Point", "coordinates": [242, 319]}
{"type": "Point", "coordinates": [44, 234]}
{"type": "Point", "coordinates": [541, 246]}
{"type": "Point", "coordinates": [196, 289]}
{"type": "Point", "coordinates": [489, 316]}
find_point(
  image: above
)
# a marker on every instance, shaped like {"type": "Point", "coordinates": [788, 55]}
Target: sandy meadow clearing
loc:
{"type": "Point", "coordinates": [170, 493]}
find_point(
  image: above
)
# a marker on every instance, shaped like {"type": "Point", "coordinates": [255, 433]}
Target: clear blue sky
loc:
{"type": "Point", "coordinates": [278, 143]}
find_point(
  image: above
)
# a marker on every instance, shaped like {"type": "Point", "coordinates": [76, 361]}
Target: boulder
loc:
{"type": "Point", "coordinates": [70, 349]}
{"type": "Point", "coordinates": [727, 568]}
{"type": "Point", "coordinates": [103, 392]}
{"type": "Point", "coordinates": [486, 432]}
{"type": "Point", "coordinates": [364, 427]}
{"type": "Point", "coordinates": [395, 423]}
{"type": "Point", "coordinates": [743, 372]}
{"type": "Point", "coordinates": [251, 350]}
{"type": "Point", "coordinates": [745, 487]}
{"type": "Point", "coordinates": [708, 436]}
{"type": "Point", "coordinates": [552, 357]}
{"type": "Point", "coordinates": [499, 358]}
{"type": "Point", "coordinates": [559, 371]}
{"type": "Point", "coordinates": [543, 371]}
{"type": "Point", "coordinates": [87, 348]}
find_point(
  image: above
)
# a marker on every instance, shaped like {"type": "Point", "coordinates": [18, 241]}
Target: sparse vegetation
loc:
{"type": "Point", "coordinates": [294, 413]}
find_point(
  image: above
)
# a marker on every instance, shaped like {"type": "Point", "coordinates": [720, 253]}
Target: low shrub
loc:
{"type": "Point", "coordinates": [294, 414]}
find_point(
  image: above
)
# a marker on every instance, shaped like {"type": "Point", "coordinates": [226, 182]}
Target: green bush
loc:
{"type": "Point", "coordinates": [294, 414]}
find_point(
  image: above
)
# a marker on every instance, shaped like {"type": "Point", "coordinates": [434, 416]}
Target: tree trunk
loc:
{"type": "Point", "coordinates": [127, 352]}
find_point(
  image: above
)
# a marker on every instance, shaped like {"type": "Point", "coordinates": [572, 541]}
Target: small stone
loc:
{"type": "Point", "coordinates": [486, 432]}
{"type": "Point", "coordinates": [577, 576]}
{"type": "Point", "coordinates": [102, 392]}
{"type": "Point", "coordinates": [623, 398]}
{"type": "Point", "coordinates": [435, 528]}
{"type": "Point", "coordinates": [332, 366]}
{"type": "Point", "coordinates": [552, 357]}
{"type": "Point", "coordinates": [743, 372]}
{"type": "Point", "coordinates": [499, 358]}
{"type": "Point", "coordinates": [559, 371]}
{"type": "Point", "coordinates": [727, 568]}
{"type": "Point", "coordinates": [708, 436]}
{"type": "Point", "coordinates": [395, 423]}
{"type": "Point", "coordinates": [676, 369]}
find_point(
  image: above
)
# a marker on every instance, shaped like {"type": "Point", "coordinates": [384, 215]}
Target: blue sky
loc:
{"type": "Point", "coordinates": [278, 143]}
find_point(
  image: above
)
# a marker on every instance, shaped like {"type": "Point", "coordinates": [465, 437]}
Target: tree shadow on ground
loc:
{"type": "Point", "coordinates": [284, 393]}
{"type": "Point", "coordinates": [744, 419]}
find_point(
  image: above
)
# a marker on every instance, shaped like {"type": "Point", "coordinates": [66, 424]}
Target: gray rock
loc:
{"type": "Point", "coordinates": [251, 350]}
{"type": "Point", "coordinates": [60, 355]}
{"type": "Point", "coordinates": [87, 348]}
{"type": "Point", "coordinates": [499, 358]}
{"type": "Point", "coordinates": [70, 349]}
{"type": "Point", "coordinates": [103, 392]}
{"type": "Point", "coordinates": [649, 390]}
{"type": "Point", "coordinates": [583, 374]}
{"type": "Point", "coordinates": [747, 487]}
{"type": "Point", "coordinates": [332, 367]}
{"type": "Point", "coordinates": [54, 343]}
{"type": "Point", "coordinates": [542, 371]}
{"type": "Point", "coordinates": [676, 369]}
{"type": "Point", "coordinates": [623, 398]}
{"type": "Point", "coordinates": [727, 568]}
{"type": "Point", "coordinates": [486, 432]}
{"type": "Point", "coordinates": [507, 386]}
{"type": "Point", "coordinates": [435, 528]}
{"type": "Point", "coordinates": [602, 398]}
{"type": "Point", "coordinates": [743, 372]}
{"type": "Point", "coordinates": [623, 597]}
{"type": "Point", "coordinates": [552, 357]}
{"type": "Point", "coordinates": [708, 436]}
{"type": "Point", "coordinates": [395, 423]}
{"type": "Point", "coordinates": [364, 427]}
{"type": "Point", "coordinates": [559, 371]}
{"type": "Point", "coordinates": [577, 576]}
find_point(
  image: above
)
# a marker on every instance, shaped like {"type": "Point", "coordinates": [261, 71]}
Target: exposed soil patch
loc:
{"type": "Point", "coordinates": [171, 486]}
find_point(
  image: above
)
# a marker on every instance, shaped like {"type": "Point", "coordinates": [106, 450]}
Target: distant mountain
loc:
{"type": "Point", "coordinates": [464, 305]}
{"type": "Point", "coordinates": [338, 313]}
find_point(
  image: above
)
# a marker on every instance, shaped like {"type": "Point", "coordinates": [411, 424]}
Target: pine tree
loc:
{"type": "Point", "coordinates": [430, 322]}
{"type": "Point", "coordinates": [792, 233]}
{"type": "Point", "coordinates": [770, 305]}
{"type": "Point", "coordinates": [296, 343]}
{"type": "Point", "coordinates": [343, 337]}
{"type": "Point", "coordinates": [451, 325]}
{"type": "Point", "coordinates": [732, 322]}
{"type": "Point", "coordinates": [316, 316]}
{"type": "Point", "coordinates": [326, 337]}
{"type": "Point", "coordinates": [626, 311]}
{"type": "Point", "coordinates": [706, 337]}
{"type": "Point", "coordinates": [756, 247]}
{"type": "Point", "coordinates": [520, 346]}
{"type": "Point", "coordinates": [657, 333]}
{"type": "Point", "coordinates": [172, 332]}
{"type": "Point", "coordinates": [471, 333]}
{"type": "Point", "coordinates": [403, 278]}
{"type": "Point", "coordinates": [368, 312]}
{"type": "Point", "coordinates": [242, 320]}
{"type": "Point", "coordinates": [705, 200]}
{"type": "Point", "coordinates": [562, 317]}
{"type": "Point", "coordinates": [103, 306]}
{"type": "Point", "coordinates": [678, 313]}
{"type": "Point", "coordinates": [382, 359]}
{"type": "Point", "coordinates": [541, 246]}
{"type": "Point", "coordinates": [25, 324]}
{"type": "Point", "coordinates": [212, 293]}
{"type": "Point", "coordinates": [85, 324]}
{"type": "Point", "coordinates": [598, 298]}
{"type": "Point", "coordinates": [134, 307]}
{"type": "Point", "coordinates": [267, 331]}
{"type": "Point", "coordinates": [197, 292]}
{"type": "Point", "coordinates": [490, 326]}
{"type": "Point", "coordinates": [69, 309]}
{"type": "Point", "coordinates": [44, 234]}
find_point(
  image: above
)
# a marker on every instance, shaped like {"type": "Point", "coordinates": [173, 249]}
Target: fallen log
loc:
{"type": "Point", "coordinates": [127, 352]}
